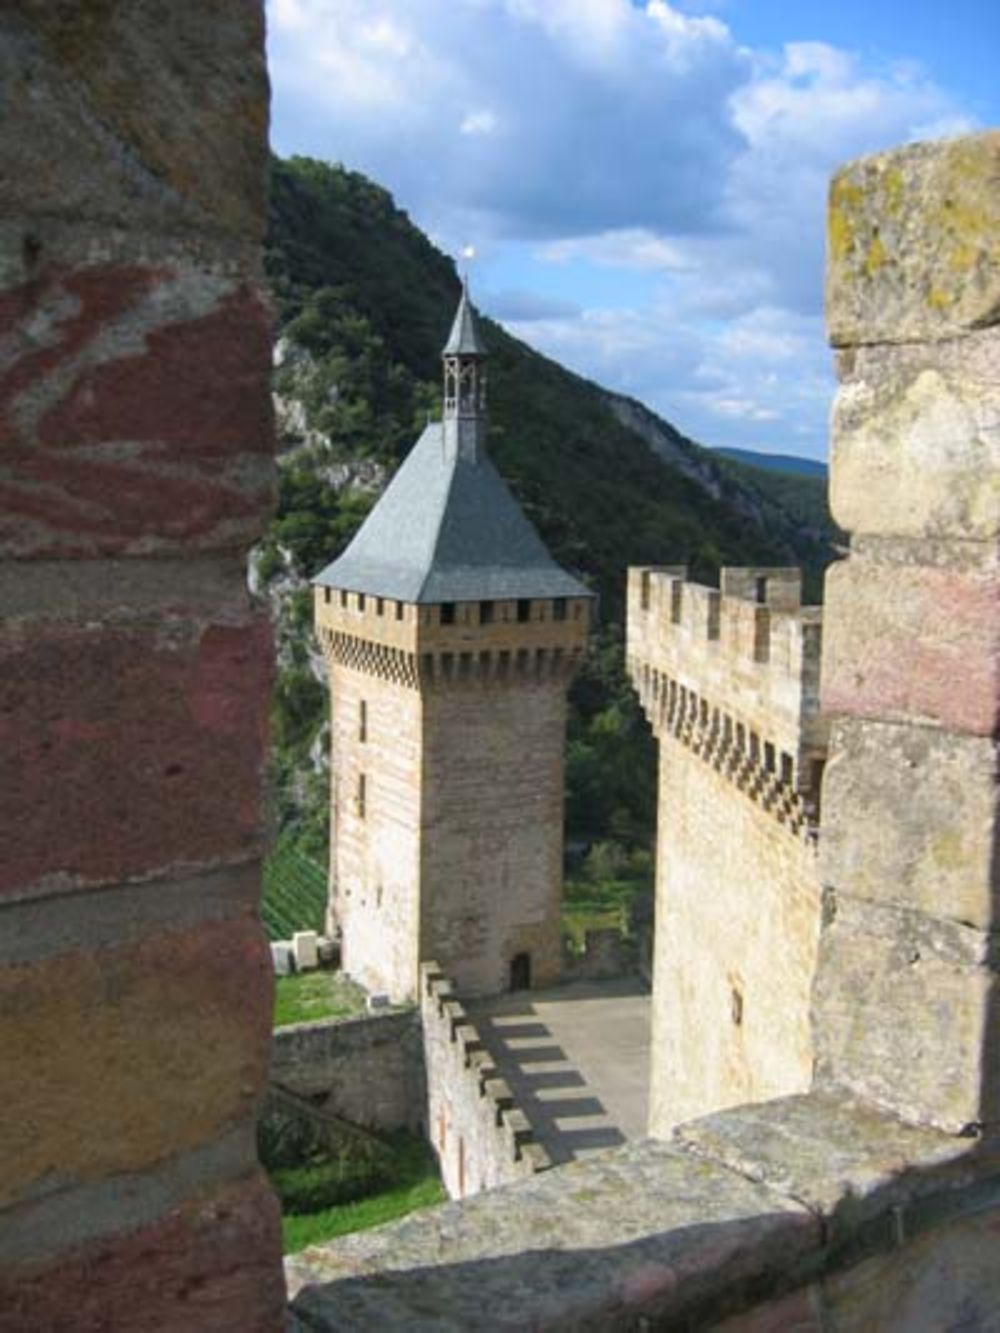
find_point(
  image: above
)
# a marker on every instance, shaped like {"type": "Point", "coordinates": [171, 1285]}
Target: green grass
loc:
{"type": "Point", "coordinates": [312, 995]}
{"type": "Point", "coordinates": [590, 905]}
{"type": "Point", "coordinates": [415, 1185]}
{"type": "Point", "coordinates": [295, 894]}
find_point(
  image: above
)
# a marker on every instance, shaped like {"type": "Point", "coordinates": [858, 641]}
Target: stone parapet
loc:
{"type": "Point", "coordinates": [814, 1206]}
{"type": "Point", "coordinates": [418, 647]}
{"type": "Point", "coordinates": [729, 679]}
{"type": "Point", "coordinates": [905, 1001]}
{"type": "Point", "coordinates": [481, 1137]}
{"type": "Point", "coordinates": [735, 680]}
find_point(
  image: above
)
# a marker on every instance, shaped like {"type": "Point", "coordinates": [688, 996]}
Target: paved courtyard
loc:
{"type": "Point", "coordinates": [577, 1060]}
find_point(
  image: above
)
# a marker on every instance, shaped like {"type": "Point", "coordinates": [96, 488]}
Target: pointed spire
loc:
{"type": "Point", "coordinates": [464, 339]}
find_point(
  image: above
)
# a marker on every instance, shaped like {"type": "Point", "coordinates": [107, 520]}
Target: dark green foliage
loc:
{"type": "Point", "coordinates": [334, 228]}
{"type": "Point", "coordinates": [606, 889]}
{"type": "Point", "coordinates": [611, 755]}
{"type": "Point", "coordinates": [328, 1188]}
{"type": "Point", "coordinates": [307, 1189]}
{"type": "Point", "coordinates": [314, 522]}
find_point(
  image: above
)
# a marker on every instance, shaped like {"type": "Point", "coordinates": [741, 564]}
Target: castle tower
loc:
{"type": "Point", "coordinates": [450, 635]}
{"type": "Point", "coordinates": [729, 679]}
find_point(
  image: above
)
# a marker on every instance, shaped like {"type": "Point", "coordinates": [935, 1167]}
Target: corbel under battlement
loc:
{"type": "Point", "coordinates": [733, 674]}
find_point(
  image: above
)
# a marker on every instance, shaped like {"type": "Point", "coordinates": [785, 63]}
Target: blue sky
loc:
{"type": "Point", "coordinates": [644, 182]}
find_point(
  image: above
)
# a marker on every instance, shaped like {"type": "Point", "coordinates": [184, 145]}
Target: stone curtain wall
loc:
{"type": "Point", "coordinates": [906, 995]}
{"type": "Point", "coordinates": [481, 1138]}
{"type": "Point", "coordinates": [368, 1070]}
{"type": "Point", "coordinates": [730, 686]}
{"type": "Point", "coordinates": [135, 457]}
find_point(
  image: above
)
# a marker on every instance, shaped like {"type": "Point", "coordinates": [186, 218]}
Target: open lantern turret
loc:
{"type": "Point", "coordinates": [464, 357]}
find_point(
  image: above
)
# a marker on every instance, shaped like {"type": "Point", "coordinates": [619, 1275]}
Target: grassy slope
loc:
{"type": "Point", "coordinates": [294, 894]}
{"type": "Point", "coordinates": [415, 1184]}
{"type": "Point", "coordinates": [314, 995]}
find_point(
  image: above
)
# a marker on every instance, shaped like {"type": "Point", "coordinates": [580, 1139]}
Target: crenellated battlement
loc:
{"type": "Point", "coordinates": [422, 646]}
{"type": "Point", "coordinates": [733, 673]}
{"type": "Point", "coordinates": [482, 1138]}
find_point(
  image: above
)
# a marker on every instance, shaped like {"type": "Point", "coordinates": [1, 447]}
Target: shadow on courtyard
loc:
{"type": "Point", "coordinates": [576, 1060]}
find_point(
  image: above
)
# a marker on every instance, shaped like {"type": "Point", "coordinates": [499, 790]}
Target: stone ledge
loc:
{"type": "Point", "coordinates": [842, 1159]}
{"type": "Point", "coordinates": [43, 921]}
{"type": "Point", "coordinates": [644, 1230]}
{"type": "Point", "coordinates": [127, 589]}
{"type": "Point", "coordinates": [744, 1208]}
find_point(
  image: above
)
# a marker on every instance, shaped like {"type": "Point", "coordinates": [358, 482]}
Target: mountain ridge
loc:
{"type": "Point", "coordinates": [795, 464]}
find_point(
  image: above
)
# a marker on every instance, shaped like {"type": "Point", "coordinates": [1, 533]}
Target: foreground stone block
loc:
{"type": "Point", "coordinates": [92, 99]}
{"type": "Point", "coordinates": [912, 818]}
{"type": "Point", "coordinates": [212, 1264]}
{"type": "Point", "coordinates": [842, 1158]}
{"type": "Point", "coordinates": [642, 1231]}
{"type": "Point", "coordinates": [150, 730]}
{"type": "Point", "coordinates": [127, 1055]}
{"type": "Point", "coordinates": [916, 440]}
{"type": "Point", "coordinates": [905, 1015]}
{"type": "Point", "coordinates": [304, 950]}
{"type": "Point", "coordinates": [948, 1279]}
{"type": "Point", "coordinates": [135, 411]}
{"type": "Point", "coordinates": [801, 1312]}
{"type": "Point", "coordinates": [911, 1216]}
{"type": "Point", "coordinates": [913, 642]}
{"type": "Point", "coordinates": [914, 243]}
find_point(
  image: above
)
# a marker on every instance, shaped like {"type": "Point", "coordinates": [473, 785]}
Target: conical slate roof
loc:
{"type": "Point", "coordinates": [464, 339]}
{"type": "Point", "coordinates": [447, 529]}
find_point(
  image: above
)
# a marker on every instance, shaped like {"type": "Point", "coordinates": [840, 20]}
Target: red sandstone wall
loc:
{"type": "Point", "coordinates": [135, 469]}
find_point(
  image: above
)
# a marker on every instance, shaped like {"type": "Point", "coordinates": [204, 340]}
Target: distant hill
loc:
{"type": "Point", "coordinates": [364, 304]}
{"type": "Point", "coordinates": [808, 467]}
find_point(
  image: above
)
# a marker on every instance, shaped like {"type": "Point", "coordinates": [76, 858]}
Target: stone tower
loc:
{"type": "Point", "coordinates": [450, 635]}
{"type": "Point", "coordinates": [729, 679]}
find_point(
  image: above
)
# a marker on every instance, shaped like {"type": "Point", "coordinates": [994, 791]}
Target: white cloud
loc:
{"type": "Point", "coordinates": [640, 141]}
{"type": "Point", "coordinates": [478, 122]}
{"type": "Point", "coordinates": [629, 247]}
{"type": "Point", "coordinates": [612, 115]}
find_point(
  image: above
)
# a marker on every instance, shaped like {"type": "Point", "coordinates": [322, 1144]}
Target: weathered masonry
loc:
{"type": "Point", "coordinates": [450, 636]}
{"type": "Point", "coordinates": [136, 470]}
{"type": "Point", "coordinates": [729, 679]}
{"type": "Point", "coordinates": [481, 1136]}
